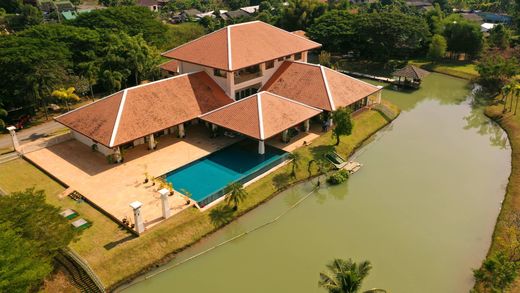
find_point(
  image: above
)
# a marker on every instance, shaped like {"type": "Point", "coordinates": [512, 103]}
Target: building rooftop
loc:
{"type": "Point", "coordinates": [138, 111]}
{"type": "Point", "coordinates": [261, 115]}
{"type": "Point", "coordinates": [317, 86]}
{"type": "Point", "coordinates": [171, 66]}
{"type": "Point", "coordinates": [241, 45]}
{"type": "Point", "coordinates": [411, 71]}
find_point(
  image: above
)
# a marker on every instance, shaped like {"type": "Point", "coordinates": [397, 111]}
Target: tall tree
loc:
{"type": "Point", "coordinates": [344, 276]}
{"type": "Point", "coordinates": [343, 123]}
{"type": "Point", "coordinates": [335, 30]}
{"type": "Point", "coordinates": [463, 36]}
{"type": "Point", "coordinates": [300, 14]}
{"type": "Point", "coordinates": [66, 95]}
{"type": "Point", "coordinates": [21, 268]}
{"type": "Point", "coordinates": [499, 37]}
{"type": "Point", "coordinates": [437, 48]}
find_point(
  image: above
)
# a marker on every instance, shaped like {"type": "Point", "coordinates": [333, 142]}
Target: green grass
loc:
{"type": "Point", "coordinates": [116, 256]}
{"type": "Point", "coordinates": [461, 69]}
{"type": "Point", "coordinates": [511, 204]}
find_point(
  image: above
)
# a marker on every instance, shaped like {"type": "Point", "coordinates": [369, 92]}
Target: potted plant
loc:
{"type": "Point", "coordinates": [170, 187]}
{"type": "Point", "coordinates": [146, 176]}
{"type": "Point", "coordinates": [186, 195]}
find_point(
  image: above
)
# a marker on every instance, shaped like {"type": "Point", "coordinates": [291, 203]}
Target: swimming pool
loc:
{"type": "Point", "coordinates": [206, 178]}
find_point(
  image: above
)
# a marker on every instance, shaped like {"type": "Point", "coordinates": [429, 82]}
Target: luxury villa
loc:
{"type": "Point", "coordinates": [248, 86]}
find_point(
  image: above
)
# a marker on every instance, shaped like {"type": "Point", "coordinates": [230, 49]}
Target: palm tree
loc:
{"type": "Point", "coordinates": [235, 194]}
{"type": "Point", "coordinates": [344, 276]}
{"type": "Point", "coordinates": [506, 90]}
{"type": "Point", "coordinates": [295, 162]}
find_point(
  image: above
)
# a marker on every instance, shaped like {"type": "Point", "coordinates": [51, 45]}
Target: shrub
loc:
{"type": "Point", "coordinates": [338, 177]}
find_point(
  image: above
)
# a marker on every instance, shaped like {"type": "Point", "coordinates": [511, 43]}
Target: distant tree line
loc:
{"type": "Point", "coordinates": [101, 51]}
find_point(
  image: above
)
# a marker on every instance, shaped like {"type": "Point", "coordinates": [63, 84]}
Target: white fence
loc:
{"type": "Point", "coordinates": [44, 143]}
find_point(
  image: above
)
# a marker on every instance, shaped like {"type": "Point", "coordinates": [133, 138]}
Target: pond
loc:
{"type": "Point", "coordinates": [421, 210]}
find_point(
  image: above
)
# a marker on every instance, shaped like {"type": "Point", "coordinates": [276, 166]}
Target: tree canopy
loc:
{"type": "Point", "coordinates": [31, 233]}
{"type": "Point", "coordinates": [463, 36]}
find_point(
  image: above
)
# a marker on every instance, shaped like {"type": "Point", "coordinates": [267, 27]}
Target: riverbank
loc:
{"type": "Point", "coordinates": [460, 69]}
{"type": "Point", "coordinates": [117, 256]}
{"type": "Point", "coordinates": [511, 204]}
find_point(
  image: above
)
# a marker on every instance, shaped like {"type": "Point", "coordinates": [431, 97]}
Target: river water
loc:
{"type": "Point", "coordinates": [421, 210]}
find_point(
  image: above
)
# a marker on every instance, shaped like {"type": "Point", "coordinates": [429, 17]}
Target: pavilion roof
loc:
{"type": "Point", "coordinates": [317, 86]}
{"type": "Point", "coordinates": [411, 71]}
{"type": "Point", "coordinates": [261, 115]}
{"type": "Point", "coordinates": [145, 109]}
{"type": "Point", "coordinates": [241, 45]}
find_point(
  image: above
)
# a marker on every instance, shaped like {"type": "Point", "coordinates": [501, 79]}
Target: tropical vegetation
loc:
{"type": "Point", "coordinates": [344, 276]}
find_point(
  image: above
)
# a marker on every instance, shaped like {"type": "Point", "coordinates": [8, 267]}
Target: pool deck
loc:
{"type": "Point", "coordinates": [114, 186]}
{"type": "Point", "coordinates": [297, 141]}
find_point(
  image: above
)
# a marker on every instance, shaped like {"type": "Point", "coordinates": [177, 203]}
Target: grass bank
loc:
{"type": "Point", "coordinates": [116, 256]}
{"type": "Point", "coordinates": [460, 69]}
{"type": "Point", "coordinates": [511, 204]}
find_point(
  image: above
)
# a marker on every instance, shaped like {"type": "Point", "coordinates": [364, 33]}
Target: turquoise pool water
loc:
{"type": "Point", "coordinates": [206, 178]}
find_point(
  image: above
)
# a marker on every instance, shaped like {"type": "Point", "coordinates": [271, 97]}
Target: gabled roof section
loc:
{"type": "Point", "coordinates": [317, 86]}
{"type": "Point", "coordinates": [261, 115]}
{"type": "Point", "coordinates": [145, 109]}
{"type": "Point", "coordinates": [411, 71]}
{"type": "Point", "coordinates": [241, 45]}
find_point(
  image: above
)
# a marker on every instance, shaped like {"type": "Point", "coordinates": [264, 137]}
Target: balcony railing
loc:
{"type": "Point", "coordinates": [247, 74]}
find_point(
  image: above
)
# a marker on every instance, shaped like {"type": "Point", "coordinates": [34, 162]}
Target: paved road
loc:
{"type": "Point", "coordinates": [32, 133]}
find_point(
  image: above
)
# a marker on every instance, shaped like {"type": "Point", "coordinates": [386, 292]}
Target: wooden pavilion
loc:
{"type": "Point", "coordinates": [409, 76]}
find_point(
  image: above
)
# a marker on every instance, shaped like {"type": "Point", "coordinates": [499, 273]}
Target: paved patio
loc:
{"type": "Point", "coordinates": [114, 186]}
{"type": "Point", "coordinates": [298, 141]}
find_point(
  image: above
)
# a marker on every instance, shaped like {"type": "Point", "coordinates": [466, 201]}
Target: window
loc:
{"type": "Point", "coordinates": [247, 73]}
{"type": "Point", "coordinates": [287, 57]}
{"type": "Point", "coordinates": [280, 59]}
{"type": "Point", "coordinates": [218, 72]}
{"type": "Point", "coordinates": [269, 64]}
{"type": "Point", "coordinates": [246, 92]}
{"type": "Point", "coordinates": [298, 56]}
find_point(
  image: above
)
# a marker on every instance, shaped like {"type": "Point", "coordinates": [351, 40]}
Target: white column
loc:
{"type": "Point", "coordinates": [14, 138]}
{"type": "Point", "coordinates": [285, 135]}
{"type": "Point", "coordinates": [261, 147]}
{"type": "Point", "coordinates": [151, 142]}
{"type": "Point", "coordinates": [307, 125]}
{"type": "Point", "coordinates": [182, 134]}
{"type": "Point", "coordinates": [230, 84]}
{"type": "Point", "coordinates": [379, 94]}
{"type": "Point", "coordinates": [138, 219]}
{"type": "Point", "coordinates": [117, 155]}
{"type": "Point", "coordinates": [164, 201]}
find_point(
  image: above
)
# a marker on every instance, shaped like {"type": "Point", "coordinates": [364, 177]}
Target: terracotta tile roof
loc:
{"type": "Point", "coordinates": [261, 115]}
{"type": "Point", "coordinates": [241, 45]}
{"type": "Point", "coordinates": [145, 109]}
{"type": "Point", "coordinates": [171, 66]}
{"type": "Point", "coordinates": [317, 86]}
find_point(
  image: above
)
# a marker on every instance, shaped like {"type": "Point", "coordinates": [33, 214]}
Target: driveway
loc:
{"type": "Point", "coordinates": [32, 133]}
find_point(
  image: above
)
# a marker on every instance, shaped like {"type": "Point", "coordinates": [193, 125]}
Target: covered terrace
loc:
{"type": "Point", "coordinates": [263, 116]}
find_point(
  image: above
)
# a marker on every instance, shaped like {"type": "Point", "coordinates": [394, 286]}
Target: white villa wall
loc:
{"type": "Point", "coordinates": [228, 85]}
{"type": "Point", "coordinates": [89, 142]}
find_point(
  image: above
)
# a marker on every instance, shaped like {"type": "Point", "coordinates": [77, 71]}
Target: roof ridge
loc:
{"type": "Point", "coordinates": [118, 119]}
{"type": "Point", "coordinates": [329, 95]}
{"type": "Point", "coordinates": [260, 115]}
{"type": "Point", "coordinates": [230, 60]}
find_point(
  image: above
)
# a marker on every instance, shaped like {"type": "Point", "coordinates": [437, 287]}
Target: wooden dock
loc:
{"type": "Point", "coordinates": [369, 76]}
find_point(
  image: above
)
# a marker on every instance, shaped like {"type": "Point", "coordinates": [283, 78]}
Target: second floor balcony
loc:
{"type": "Point", "coordinates": [247, 73]}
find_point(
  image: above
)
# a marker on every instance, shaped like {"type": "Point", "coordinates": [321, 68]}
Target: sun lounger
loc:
{"type": "Point", "coordinates": [81, 224]}
{"type": "Point", "coordinates": [69, 214]}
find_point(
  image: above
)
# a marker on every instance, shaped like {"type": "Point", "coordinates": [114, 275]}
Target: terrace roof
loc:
{"type": "Point", "coordinates": [261, 115]}
{"type": "Point", "coordinates": [411, 71]}
{"type": "Point", "coordinates": [317, 86]}
{"type": "Point", "coordinates": [241, 45]}
{"type": "Point", "coordinates": [145, 109]}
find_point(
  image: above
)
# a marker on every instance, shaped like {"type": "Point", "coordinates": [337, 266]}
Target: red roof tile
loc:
{"type": "Point", "coordinates": [262, 115]}
{"type": "Point", "coordinates": [317, 86]}
{"type": "Point", "coordinates": [241, 45]}
{"type": "Point", "coordinates": [145, 109]}
{"type": "Point", "coordinates": [171, 66]}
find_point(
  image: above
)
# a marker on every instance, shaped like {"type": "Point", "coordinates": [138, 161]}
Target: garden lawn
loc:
{"type": "Point", "coordinates": [511, 204]}
{"type": "Point", "coordinates": [461, 69]}
{"type": "Point", "coordinates": [117, 257]}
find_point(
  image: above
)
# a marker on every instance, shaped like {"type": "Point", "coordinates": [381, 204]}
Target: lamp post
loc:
{"type": "Point", "coordinates": [138, 219]}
